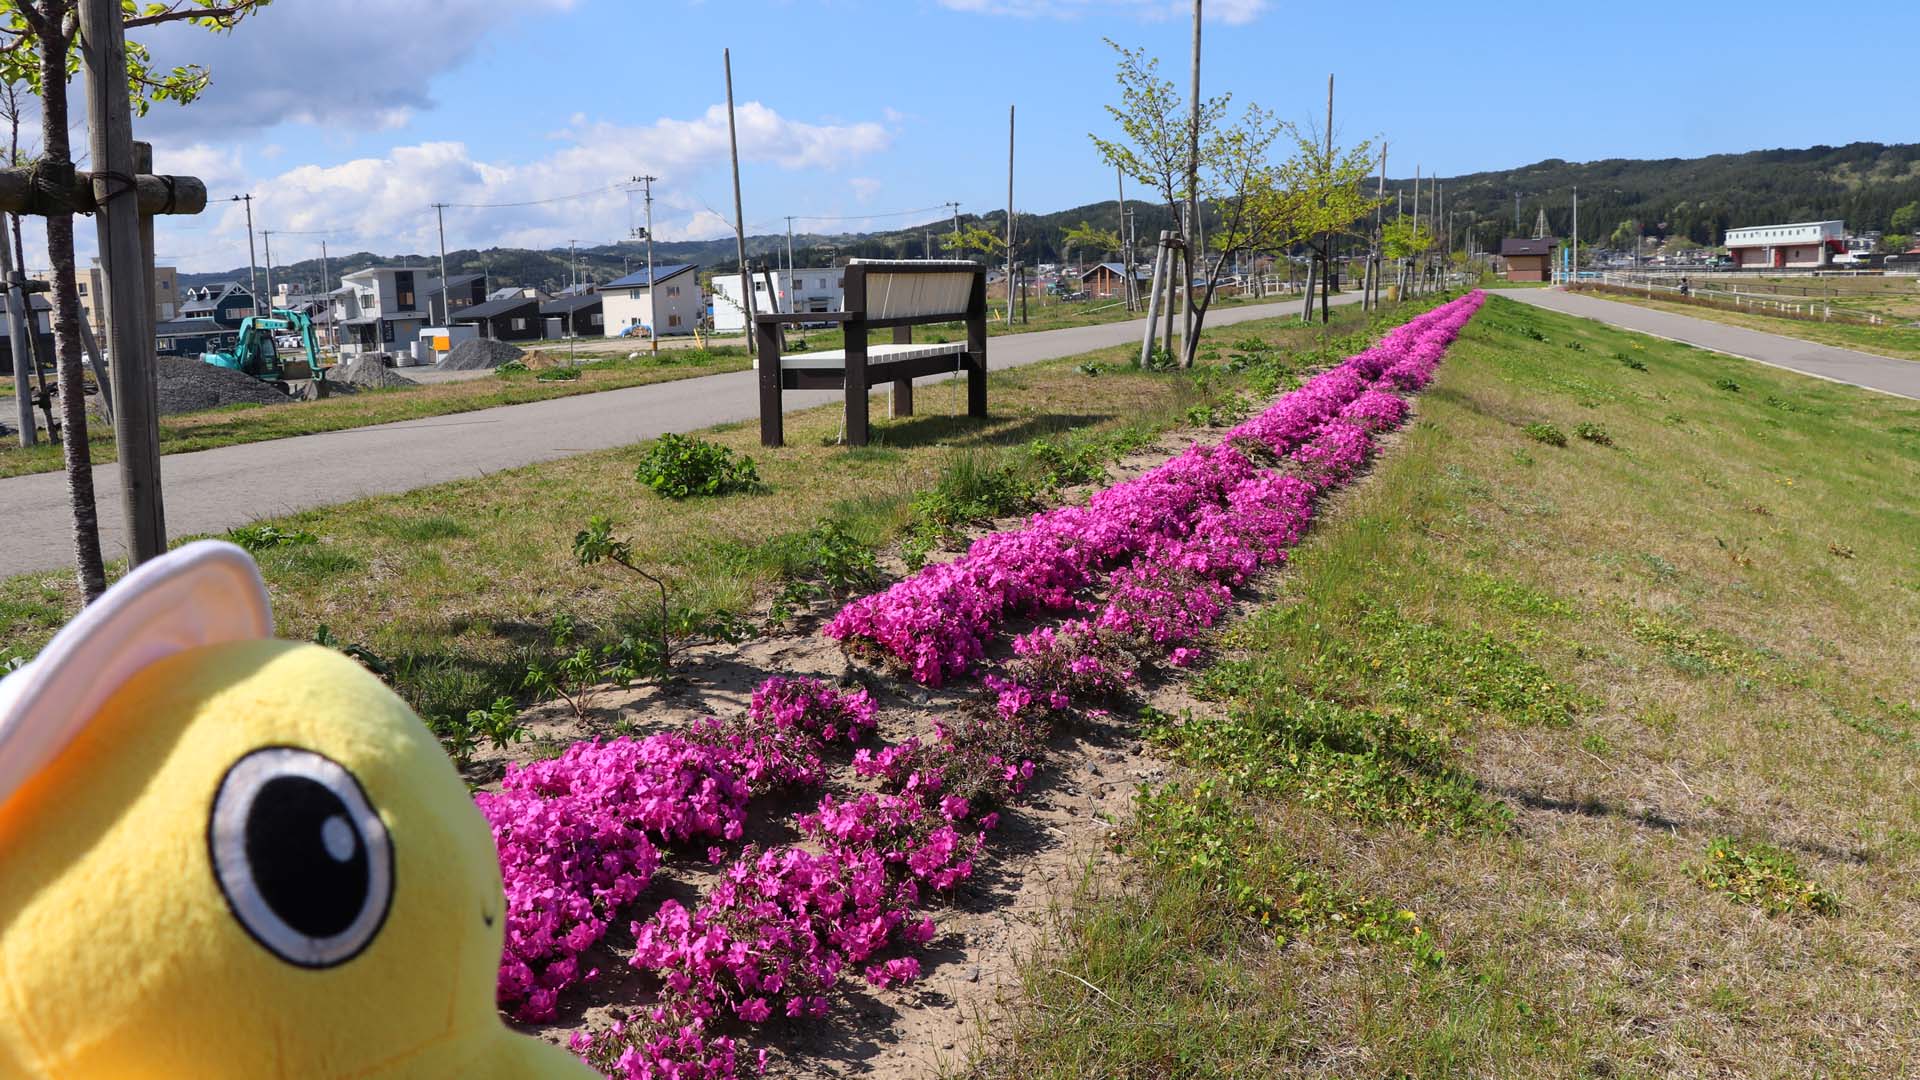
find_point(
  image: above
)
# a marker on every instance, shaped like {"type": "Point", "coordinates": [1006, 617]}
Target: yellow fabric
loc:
{"type": "Point", "coordinates": [120, 956]}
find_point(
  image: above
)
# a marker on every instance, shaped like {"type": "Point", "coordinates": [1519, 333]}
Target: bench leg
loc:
{"type": "Point", "coordinates": [977, 384]}
{"type": "Point", "coordinates": [902, 398]}
{"type": "Point", "coordinates": [772, 419]}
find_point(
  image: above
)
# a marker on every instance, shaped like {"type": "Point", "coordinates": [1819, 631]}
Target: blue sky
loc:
{"type": "Point", "coordinates": [346, 118]}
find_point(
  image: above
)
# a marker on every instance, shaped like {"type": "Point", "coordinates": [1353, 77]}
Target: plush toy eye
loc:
{"type": "Point", "coordinates": [302, 858]}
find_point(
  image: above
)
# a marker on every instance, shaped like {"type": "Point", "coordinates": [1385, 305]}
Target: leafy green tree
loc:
{"type": "Point", "coordinates": [1330, 182]}
{"type": "Point", "coordinates": [973, 238]}
{"type": "Point", "coordinates": [37, 39]}
{"type": "Point", "coordinates": [1089, 239]}
{"type": "Point", "coordinates": [1905, 218]}
{"type": "Point", "coordinates": [1893, 243]}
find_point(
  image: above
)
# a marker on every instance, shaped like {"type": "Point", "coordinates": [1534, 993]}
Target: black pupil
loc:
{"type": "Point", "coordinates": [312, 890]}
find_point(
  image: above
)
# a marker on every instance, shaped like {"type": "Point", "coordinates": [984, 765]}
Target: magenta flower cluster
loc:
{"type": "Point", "coordinates": [1168, 544]}
{"type": "Point", "coordinates": [1144, 567]}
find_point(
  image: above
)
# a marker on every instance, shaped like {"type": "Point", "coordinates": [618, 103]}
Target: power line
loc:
{"type": "Point", "coordinates": [538, 202]}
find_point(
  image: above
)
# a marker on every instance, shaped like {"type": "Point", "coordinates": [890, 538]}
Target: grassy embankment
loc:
{"type": "Point", "coordinates": [1578, 741]}
{"type": "Point", "coordinates": [457, 585]}
{"type": "Point", "coordinates": [1898, 341]}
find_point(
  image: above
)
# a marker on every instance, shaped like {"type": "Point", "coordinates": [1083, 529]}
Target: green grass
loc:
{"type": "Point", "coordinates": [1518, 696]}
{"type": "Point", "coordinates": [1902, 342]}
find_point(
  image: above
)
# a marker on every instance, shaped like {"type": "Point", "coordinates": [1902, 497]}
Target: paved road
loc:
{"type": "Point", "coordinates": [213, 490]}
{"type": "Point", "coordinates": [1885, 374]}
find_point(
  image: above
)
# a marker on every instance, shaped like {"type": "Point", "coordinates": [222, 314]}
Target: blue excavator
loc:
{"type": "Point", "coordinates": [255, 352]}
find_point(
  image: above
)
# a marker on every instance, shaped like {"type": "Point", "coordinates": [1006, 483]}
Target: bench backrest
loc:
{"type": "Point", "coordinates": [921, 290]}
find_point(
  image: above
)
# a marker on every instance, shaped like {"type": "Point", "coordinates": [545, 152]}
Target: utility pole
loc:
{"type": "Point", "coordinates": [253, 270]}
{"type": "Point", "coordinates": [446, 292]}
{"type": "Point", "coordinates": [573, 261]}
{"type": "Point", "coordinates": [955, 207]}
{"type": "Point", "coordinates": [653, 316]}
{"type": "Point", "coordinates": [789, 257]}
{"type": "Point", "coordinates": [1576, 233]}
{"type": "Point", "coordinates": [1326, 269]}
{"type": "Point", "coordinates": [1370, 298]}
{"type": "Point", "coordinates": [1194, 242]}
{"type": "Point", "coordinates": [1009, 215]}
{"type": "Point", "coordinates": [739, 222]}
{"type": "Point", "coordinates": [20, 324]}
{"type": "Point", "coordinates": [1120, 234]}
{"type": "Point", "coordinates": [1413, 276]}
{"type": "Point", "coordinates": [266, 247]}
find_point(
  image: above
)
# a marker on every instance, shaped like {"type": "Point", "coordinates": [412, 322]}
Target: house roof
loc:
{"type": "Point", "coordinates": [494, 308]}
{"type": "Point", "coordinates": [1517, 246]}
{"type": "Point", "coordinates": [454, 281]}
{"type": "Point", "coordinates": [569, 305]}
{"type": "Point", "coordinates": [638, 279]}
{"type": "Point", "coordinates": [1114, 268]}
{"type": "Point", "coordinates": [187, 327]}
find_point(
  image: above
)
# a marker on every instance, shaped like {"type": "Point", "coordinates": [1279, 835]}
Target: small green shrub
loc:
{"type": "Point", "coordinates": [1764, 876]}
{"type": "Point", "coordinates": [259, 538]}
{"type": "Point", "coordinates": [1724, 383]}
{"type": "Point", "coordinates": [1632, 362]}
{"type": "Point", "coordinates": [558, 375]}
{"type": "Point", "coordinates": [824, 561]}
{"type": "Point", "coordinates": [679, 467]}
{"type": "Point", "coordinates": [511, 367]}
{"type": "Point", "coordinates": [1594, 433]}
{"type": "Point", "coordinates": [1545, 433]}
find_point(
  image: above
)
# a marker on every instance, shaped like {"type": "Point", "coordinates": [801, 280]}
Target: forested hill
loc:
{"type": "Point", "coordinates": [1700, 198]}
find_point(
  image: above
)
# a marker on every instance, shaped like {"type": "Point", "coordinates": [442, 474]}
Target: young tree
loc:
{"type": "Point", "coordinates": [1331, 183]}
{"type": "Point", "coordinates": [1905, 218]}
{"type": "Point", "coordinates": [973, 238]}
{"type": "Point", "coordinates": [1088, 238]}
{"type": "Point", "coordinates": [1155, 129]}
{"type": "Point", "coordinates": [37, 48]}
{"type": "Point", "coordinates": [1258, 211]}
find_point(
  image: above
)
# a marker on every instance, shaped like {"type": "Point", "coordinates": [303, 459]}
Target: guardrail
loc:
{"type": "Point", "coordinates": [1730, 299]}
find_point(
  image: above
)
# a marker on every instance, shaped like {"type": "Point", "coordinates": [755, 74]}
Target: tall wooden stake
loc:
{"type": "Point", "coordinates": [1126, 249]}
{"type": "Point", "coordinates": [1326, 271]}
{"type": "Point", "coordinates": [1380, 201]}
{"type": "Point", "coordinates": [129, 310]}
{"type": "Point", "coordinates": [739, 222]}
{"type": "Point", "coordinates": [1153, 300]}
{"type": "Point", "coordinates": [20, 324]}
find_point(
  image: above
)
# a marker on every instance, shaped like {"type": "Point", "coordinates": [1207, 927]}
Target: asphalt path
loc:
{"type": "Point", "coordinates": [1883, 373]}
{"type": "Point", "coordinates": [210, 491]}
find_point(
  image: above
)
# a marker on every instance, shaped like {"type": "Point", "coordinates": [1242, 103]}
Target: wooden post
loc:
{"type": "Point", "coordinates": [1009, 215]}
{"type": "Point", "coordinates": [902, 401]}
{"type": "Point", "coordinates": [1194, 232]}
{"type": "Point", "coordinates": [1153, 299]}
{"type": "Point", "coordinates": [1173, 291]}
{"type": "Point", "coordinates": [767, 348]}
{"type": "Point", "coordinates": [1126, 249]}
{"type": "Point", "coordinates": [977, 347]}
{"type": "Point", "coordinates": [20, 326]}
{"type": "Point", "coordinates": [110, 128]}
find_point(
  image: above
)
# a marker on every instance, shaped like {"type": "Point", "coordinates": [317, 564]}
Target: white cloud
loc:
{"type": "Point", "coordinates": [1233, 12]}
{"type": "Point", "coordinates": [383, 203]}
{"type": "Point", "coordinates": [864, 188]}
{"type": "Point", "coordinates": [352, 63]}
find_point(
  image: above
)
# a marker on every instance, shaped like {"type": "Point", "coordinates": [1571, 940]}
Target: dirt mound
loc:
{"type": "Point", "coordinates": [477, 354]}
{"type": "Point", "coordinates": [367, 373]}
{"type": "Point", "coordinates": [190, 385]}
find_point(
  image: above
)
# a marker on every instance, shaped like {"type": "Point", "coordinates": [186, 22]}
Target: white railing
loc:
{"type": "Point", "coordinates": [1729, 294]}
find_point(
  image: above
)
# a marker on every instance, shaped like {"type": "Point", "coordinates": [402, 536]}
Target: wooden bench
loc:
{"type": "Point", "coordinates": [880, 294]}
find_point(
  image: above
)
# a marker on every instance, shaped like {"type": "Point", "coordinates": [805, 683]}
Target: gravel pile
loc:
{"type": "Point", "coordinates": [367, 372]}
{"type": "Point", "coordinates": [189, 385]}
{"type": "Point", "coordinates": [478, 354]}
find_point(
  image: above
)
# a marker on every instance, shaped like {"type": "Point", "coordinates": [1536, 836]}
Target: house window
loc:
{"type": "Point", "coordinates": [822, 284]}
{"type": "Point", "coordinates": [83, 288]}
{"type": "Point", "coordinates": [633, 294]}
{"type": "Point", "coordinates": [672, 319]}
{"type": "Point", "coordinates": [840, 283]}
{"type": "Point", "coordinates": [594, 319]}
{"type": "Point", "coordinates": [673, 291]}
{"type": "Point", "coordinates": [519, 324]}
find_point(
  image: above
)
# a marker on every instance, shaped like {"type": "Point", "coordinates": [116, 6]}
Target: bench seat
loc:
{"type": "Point", "coordinates": [836, 359]}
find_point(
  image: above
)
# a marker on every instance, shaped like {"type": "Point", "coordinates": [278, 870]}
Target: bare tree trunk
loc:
{"type": "Point", "coordinates": [66, 325]}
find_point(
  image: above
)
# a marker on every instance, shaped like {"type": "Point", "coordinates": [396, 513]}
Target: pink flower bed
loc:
{"type": "Point", "coordinates": [579, 836]}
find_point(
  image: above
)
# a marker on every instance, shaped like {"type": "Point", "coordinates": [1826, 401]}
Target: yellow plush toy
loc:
{"type": "Point", "coordinates": [223, 855]}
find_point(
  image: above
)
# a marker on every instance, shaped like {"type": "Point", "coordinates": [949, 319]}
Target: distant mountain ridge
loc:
{"type": "Point", "coordinates": [1861, 183]}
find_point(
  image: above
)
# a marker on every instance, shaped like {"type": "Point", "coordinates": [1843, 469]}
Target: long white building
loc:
{"type": "Point", "coordinates": [1803, 245]}
{"type": "Point", "coordinates": [817, 289]}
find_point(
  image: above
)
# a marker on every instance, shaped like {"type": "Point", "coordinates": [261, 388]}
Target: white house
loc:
{"type": "Point", "coordinates": [630, 302]}
{"type": "Point", "coordinates": [1800, 245]}
{"type": "Point", "coordinates": [811, 289]}
{"type": "Point", "coordinates": [380, 309]}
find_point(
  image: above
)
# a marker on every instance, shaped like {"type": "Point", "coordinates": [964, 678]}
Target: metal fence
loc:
{"type": "Point", "coordinates": [1728, 294]}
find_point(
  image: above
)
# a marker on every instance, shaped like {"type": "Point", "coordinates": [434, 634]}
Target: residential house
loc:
{"type": "Point", "coordinates": [515, 318]}
{"type": "Point", "coordinates": [812, 289]}
{"type": "Point", "coordinates": [461, 290]}
{"type": "Point", "coordinates": [1108, 281]}
{"type": "Point", "coordinates": [92, 286]}
{"type": "Point", "coordinates": [1528, 260]}
{"type": "Point", "coordinates": [380, 309]}
{"type": "Point", "coordinates": [209, 318]}
{"type": "Point", "coordinates": [42, 322]}
{"type": "Point", "coordinates": [579, 315]}
{"type": "Point", "coordinates": [630, 301]}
